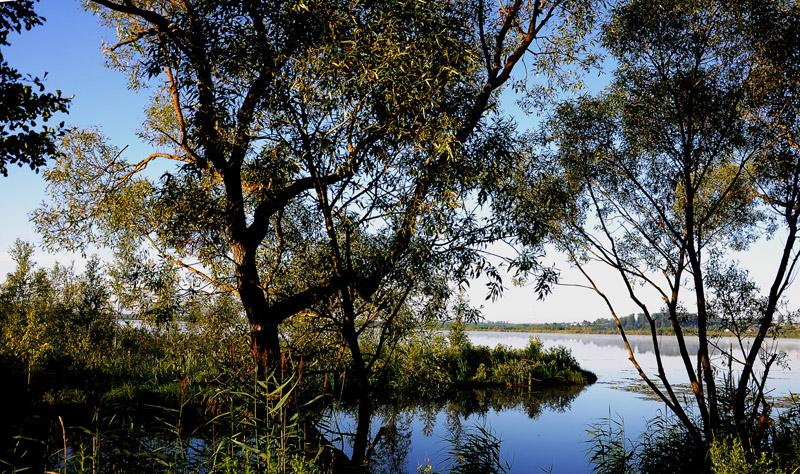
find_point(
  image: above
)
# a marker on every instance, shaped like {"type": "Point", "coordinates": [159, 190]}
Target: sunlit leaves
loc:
{"type": "Point", "coordinates": [53, 313]}
{"type": "Point", "coordinates": [774, 102]}
{"type": "Point", "coordinates": [325, 154]}
{"type": "Point", "coordinates": [96, 196]}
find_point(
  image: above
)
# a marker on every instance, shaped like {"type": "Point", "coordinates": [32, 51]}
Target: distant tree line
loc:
{"type": "Point", "coordinates": [639, 321]}
{"type": "Point", "coordinates": [630, 322]}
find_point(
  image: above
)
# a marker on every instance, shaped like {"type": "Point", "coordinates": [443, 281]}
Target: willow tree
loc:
{"type": "Point", "coordinates": [688, 155]}
{"type": "Point", "coordinates": [289, 129]}
{"type": "Point", "coordinates": [772, 29]}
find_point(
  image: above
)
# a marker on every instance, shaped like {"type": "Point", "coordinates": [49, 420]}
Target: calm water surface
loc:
{"type": "Point", "coordinates": [550, 435]}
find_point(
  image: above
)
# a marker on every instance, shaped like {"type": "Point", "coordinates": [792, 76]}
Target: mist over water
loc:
{"type": "Point", "coordinates": [607, 356]}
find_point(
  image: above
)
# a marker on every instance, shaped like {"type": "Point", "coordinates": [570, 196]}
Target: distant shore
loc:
{"type": "Point", "coordinates": [786, 331]}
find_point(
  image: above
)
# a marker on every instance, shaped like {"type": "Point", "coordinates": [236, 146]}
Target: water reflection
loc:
{"type": "Point", "coordinates": [538, 430]}
{"type": "Point", "coordinates": [640, 344]}
{"type": "Point", "coordinates": [406, 435]}
{"type": "Point", "coordinates": [548, 429]}
{"type": "Point", "coordinates": [606, 355]}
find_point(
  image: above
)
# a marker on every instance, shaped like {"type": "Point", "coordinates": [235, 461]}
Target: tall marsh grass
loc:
{"type": "Point", "coordinates": [667, 448]}
{"type": "Point", "coordinates": [253, 430]}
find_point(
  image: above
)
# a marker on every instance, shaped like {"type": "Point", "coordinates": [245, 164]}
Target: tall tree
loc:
{"type": "Point", "coordinates": [22, 100]}
{"type": "Point", "coordinates": [683, 159]}
{"type": "Point", "coordinates": [298, 128]}
{"type": "Point", "coordinates": [772, 29]}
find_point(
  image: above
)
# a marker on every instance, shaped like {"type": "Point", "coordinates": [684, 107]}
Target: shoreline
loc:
{"type": "Point", "coordinates": [793, 333]}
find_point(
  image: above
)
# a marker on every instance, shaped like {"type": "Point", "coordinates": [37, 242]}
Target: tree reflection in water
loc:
{"type": "Point", "coordinates": [158, 439]}
{"type": "Point", "coordinates": [391, 425]}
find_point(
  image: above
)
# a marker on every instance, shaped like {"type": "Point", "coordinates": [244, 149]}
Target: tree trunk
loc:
{"type": "Point", "coordinates": [361, 440]}
{"type": "Point", "coordinates": [266, 348]}
{"type": "Point", "coordinates": [263, 329]}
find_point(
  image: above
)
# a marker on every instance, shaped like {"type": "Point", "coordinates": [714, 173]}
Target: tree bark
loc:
{"type": "Point", "coordinates": [263, 329]}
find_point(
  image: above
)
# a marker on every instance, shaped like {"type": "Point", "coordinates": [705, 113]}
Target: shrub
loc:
{"type": "Point", "coordinates": [728, 457]}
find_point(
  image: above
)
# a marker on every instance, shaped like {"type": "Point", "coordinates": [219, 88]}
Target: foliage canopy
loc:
{"type": "Point", "coordinates": [326, 156]}
{"type": "Point", "coordinates": [690, 153]}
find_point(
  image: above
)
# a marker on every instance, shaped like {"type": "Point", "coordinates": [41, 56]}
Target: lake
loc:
{"type": "Point", "coordinates": [547, 431]}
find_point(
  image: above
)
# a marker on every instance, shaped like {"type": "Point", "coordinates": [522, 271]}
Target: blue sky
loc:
{"type": "Point", "coordinates": [68, 47]}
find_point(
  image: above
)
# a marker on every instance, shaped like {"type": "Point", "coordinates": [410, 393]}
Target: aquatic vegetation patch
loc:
{"type": "Point", "coordinates": [433, 365]}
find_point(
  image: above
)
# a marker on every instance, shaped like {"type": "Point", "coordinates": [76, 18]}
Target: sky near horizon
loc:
{"type": "Point", "coordinates": [68, 48]}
